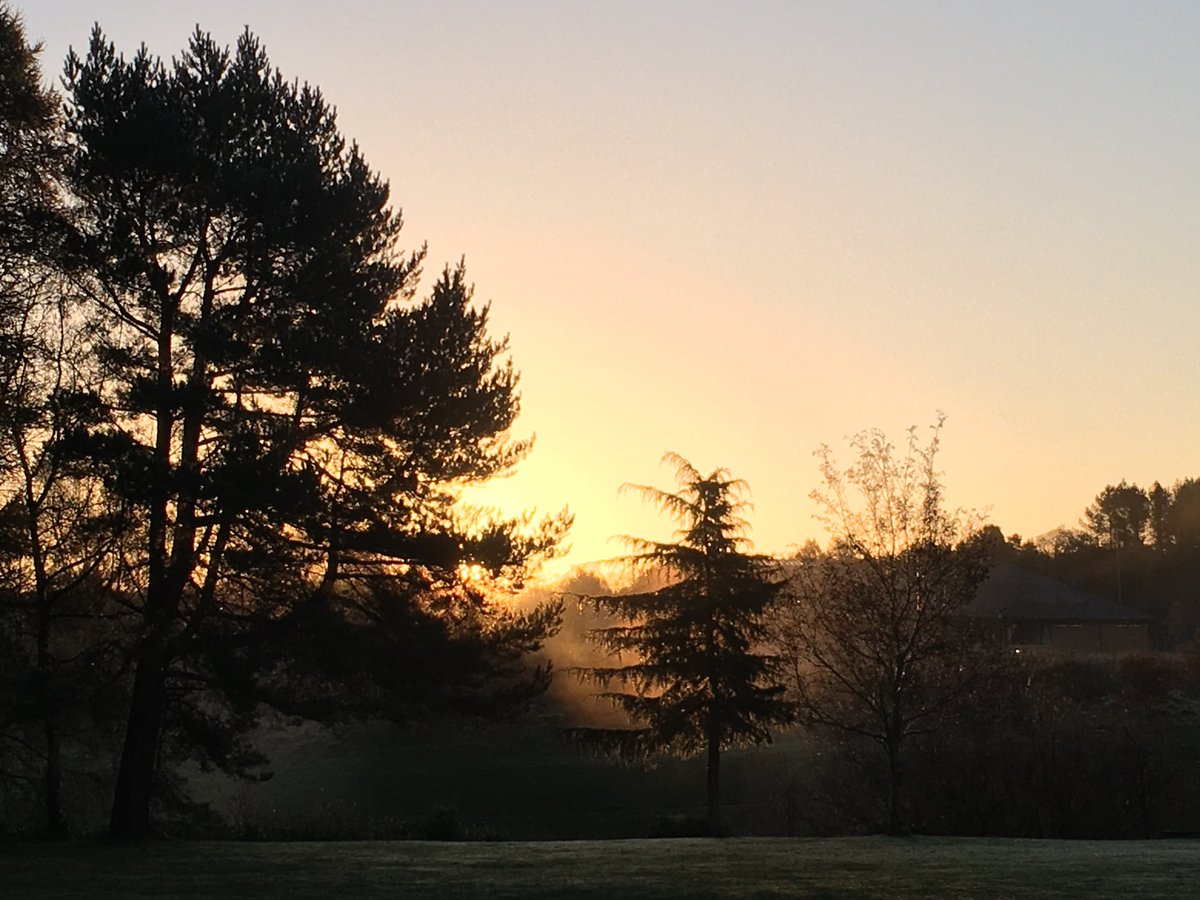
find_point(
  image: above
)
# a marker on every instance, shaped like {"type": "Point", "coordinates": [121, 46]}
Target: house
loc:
{"type": "Point", "coordinates": [1028, 612]}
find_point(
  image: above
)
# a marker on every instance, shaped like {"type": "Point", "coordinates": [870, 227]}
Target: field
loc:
{"type": "Point", "coordinates": [745, 867]}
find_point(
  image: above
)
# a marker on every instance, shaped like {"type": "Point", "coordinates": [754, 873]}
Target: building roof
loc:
{"type": "Point", "coordinates": [1013, 592]}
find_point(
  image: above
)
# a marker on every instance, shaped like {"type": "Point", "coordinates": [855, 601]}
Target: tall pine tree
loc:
{"type": "Point", "coordinates": [289, 426]}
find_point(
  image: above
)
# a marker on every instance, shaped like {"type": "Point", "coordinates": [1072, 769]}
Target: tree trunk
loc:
{"type": "Point", "coordinates": [896, 824]}
{"type": "Point", "coordinates": [714, 784]}
{"type": "Point", "coordinates": [139, 754]}
{"type": "Point", "coordinates": [56, 823]}
{"type": "Point", "coordinates": [56, 826]}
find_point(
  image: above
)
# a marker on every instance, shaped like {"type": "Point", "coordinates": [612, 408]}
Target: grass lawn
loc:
{"type": "Point", "coordinates": [744, 867]}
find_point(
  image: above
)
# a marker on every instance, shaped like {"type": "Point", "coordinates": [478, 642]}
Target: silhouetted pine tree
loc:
{"type": "Point", "coordinates": [696, 679]}
{"type": "Point", "coordinates": [288, 425]}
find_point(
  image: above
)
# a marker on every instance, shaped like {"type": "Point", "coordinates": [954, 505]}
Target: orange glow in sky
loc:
{"type": "Point", "coordinates": [740, 234]}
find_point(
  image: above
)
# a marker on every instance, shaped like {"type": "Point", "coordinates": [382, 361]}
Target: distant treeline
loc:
{"type": "Point", "coordinates": [1139, 547]}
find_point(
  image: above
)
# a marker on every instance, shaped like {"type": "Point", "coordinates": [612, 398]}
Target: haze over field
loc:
{"type": "Point", "coordinates": [741, 234]}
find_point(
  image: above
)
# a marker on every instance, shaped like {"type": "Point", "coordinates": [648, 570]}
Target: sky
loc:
{"type": "Point", "coordinates": [741, 231]}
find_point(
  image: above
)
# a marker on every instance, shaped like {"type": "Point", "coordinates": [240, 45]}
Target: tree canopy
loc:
{"type": "Point", "coordinates": [1120, 516]}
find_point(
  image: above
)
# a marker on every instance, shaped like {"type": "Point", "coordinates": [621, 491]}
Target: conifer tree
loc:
{"type": "Point", "coordinates": [692, 674]}
{"type": "Point", "coordinates": [288, 425]}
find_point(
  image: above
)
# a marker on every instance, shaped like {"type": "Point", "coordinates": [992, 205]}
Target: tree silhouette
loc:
{"type": "Point", "coordinates": [698, 680]}
{"type": "Point", "coordinates": [1120, 516]}
{"type": "Point", "coordinates": [872, 632]}
{"type": "Point", "coordinates": [50, 549]}
{"type": "Point", "coordinates": [289, 426]}
{"type": "Point", "coordinates": [1159, 501]}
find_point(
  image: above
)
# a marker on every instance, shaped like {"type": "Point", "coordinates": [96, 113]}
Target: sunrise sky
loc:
{"type": "Point", "coordinates": [738, 231]}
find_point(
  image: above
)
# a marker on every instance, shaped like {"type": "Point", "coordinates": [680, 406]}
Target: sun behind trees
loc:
{"type": "Point", "coordinates": [273, 429]}
{"type": "Point", "coordinates": [699, 681]}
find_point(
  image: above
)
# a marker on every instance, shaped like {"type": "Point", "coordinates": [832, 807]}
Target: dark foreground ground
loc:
{"type": "Point", "coordinates": [745, 867]}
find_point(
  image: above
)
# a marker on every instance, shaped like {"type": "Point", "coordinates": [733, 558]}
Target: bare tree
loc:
{"type": "Point", "coordinates": [871, 626]}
